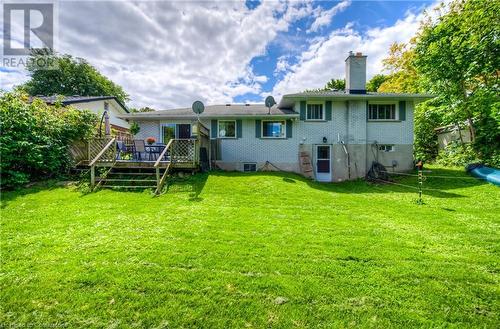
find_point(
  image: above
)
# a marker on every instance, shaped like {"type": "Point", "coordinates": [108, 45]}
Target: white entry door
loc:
{"type": "Point", "coordinates": [323, 166]}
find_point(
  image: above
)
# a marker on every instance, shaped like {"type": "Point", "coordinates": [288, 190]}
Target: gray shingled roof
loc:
{"type": "Point", "coordinates": [66, 100]}
{"type": "Point", "coordinates": [342, 93]}
{"type": "Point", "coordinates": [215, 111]}
{"type": "Point", "coordinates": [288, 100]}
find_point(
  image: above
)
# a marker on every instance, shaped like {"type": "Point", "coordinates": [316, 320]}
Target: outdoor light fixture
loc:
{"type": "Point", "coordinates": [325, 140]}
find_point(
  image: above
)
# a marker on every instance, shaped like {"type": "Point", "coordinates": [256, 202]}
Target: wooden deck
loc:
{"type": "Point", "coordinates": [134, 164]}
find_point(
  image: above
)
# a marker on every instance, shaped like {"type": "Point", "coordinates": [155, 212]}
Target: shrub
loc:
{"type": "Point", "coordinates": [134, 128]}
{"type": "Point", "coordinates": [34, 138]}
{"type": "Point", "coordinates": [457, 154]}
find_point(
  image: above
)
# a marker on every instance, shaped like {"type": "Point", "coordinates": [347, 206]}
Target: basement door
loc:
{"type": "Point", "coordinates": [323, 163]}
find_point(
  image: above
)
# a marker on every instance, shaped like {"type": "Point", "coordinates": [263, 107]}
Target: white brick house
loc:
{"type": "Point", "coordinates": [340, 132]}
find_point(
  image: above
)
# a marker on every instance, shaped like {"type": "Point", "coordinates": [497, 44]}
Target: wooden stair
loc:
{"type": "Point", "coordinates": [129, 178]}
{"type": "Point", "coordinates": [305, 165]}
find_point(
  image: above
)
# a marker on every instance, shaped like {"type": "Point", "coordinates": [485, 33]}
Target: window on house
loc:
{"type": "Point", "coordinates": [315, 112]}
{"type": "Point", "coordinates": [249, 167]}
{"type": "Point", "coordinates": [227, 129]}
{"type": "Point", "coordinates": [386, 148]}
{"type": "Point", "coordinates": [273, 129]}
{"type": "Point", "coordinates": [382, 111]}
{"type": "Point", "coordinates": [167, 132]}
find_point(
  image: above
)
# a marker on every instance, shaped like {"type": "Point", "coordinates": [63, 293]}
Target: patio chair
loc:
{"type": "Point", "coordinates": [139, 149]}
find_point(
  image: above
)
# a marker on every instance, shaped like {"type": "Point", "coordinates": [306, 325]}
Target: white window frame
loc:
{"type": "Point", "coordinates": [164, 125]}
{"type": "Point", "coordinates": [323, 114]}
{"type": "Point", "coordinates": [227, 137]}
{"type": "Point", "coordinates": [251, 164]}
{"type": "Point", "coordinates": [386, 148]}
{"type": "Point", "coordinates": [283, 123]}
{"type": "Point", "coordinates": [396, 110]}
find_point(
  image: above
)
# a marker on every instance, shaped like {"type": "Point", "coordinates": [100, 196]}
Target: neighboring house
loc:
{"type": "Point", "coordinates": [337, 133]}
{"type": "Point", "coordinates": [452, 133]}
{"type": "Point", "coordinates": [96, 104]}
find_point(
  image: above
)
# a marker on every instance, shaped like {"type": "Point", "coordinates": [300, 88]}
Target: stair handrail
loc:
{"type": "Point", "coordinates": [105, 148]}
{"type": "Point", "coordinates": [162, 154]}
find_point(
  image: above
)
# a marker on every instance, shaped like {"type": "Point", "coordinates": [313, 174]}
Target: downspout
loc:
{"type": "Point", "coordinates": [344, 146]}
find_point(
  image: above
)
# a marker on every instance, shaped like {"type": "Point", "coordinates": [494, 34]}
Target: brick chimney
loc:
{"type": "Point", "coordinates": [355, 73]}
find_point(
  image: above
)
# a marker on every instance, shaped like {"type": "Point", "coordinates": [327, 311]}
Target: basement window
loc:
{"type": "Point", "coordinates": [249, 167]}
{"type": "Point", "coordinates": [386, 148]}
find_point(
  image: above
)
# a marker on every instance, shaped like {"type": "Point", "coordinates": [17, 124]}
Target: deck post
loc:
{"type": "Point", "coordinates": [158, 178]}
{"type": "Point", "coordinates": [92, 176]}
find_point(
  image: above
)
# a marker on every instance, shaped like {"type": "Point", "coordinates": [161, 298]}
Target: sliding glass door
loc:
{"type": "Point", "coordinates": [167, 133]}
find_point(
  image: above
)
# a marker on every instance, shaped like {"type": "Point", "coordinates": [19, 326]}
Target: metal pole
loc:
{"type": "Point", "coordinates": [420, 183]}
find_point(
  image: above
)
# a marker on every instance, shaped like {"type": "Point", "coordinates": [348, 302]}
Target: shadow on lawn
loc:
{"type": "Point", "coordinates": [7, 196]}
{"type": "Point", "coordinates": [436, 187]}
{"type": "Point", "coordinates": [192, 184]}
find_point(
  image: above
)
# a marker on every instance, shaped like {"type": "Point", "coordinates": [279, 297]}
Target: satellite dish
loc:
{"type": "Point", "coordinates": [269, 101]}
{"type": "Point", "coordinates": [198, 107]}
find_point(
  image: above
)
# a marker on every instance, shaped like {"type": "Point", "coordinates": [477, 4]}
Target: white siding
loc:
{"type": "Point", "coordinates": [97, 107]}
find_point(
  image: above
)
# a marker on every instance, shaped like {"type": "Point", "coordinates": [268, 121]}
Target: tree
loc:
{"type": "Point", "coordinates": [333, 84]}
{"type": "Point", "coordinates": [35, 137]}
{"type": "Point", "coordinates": [143, 109]}
{"type": "Point", "coordinates": [375, 82]}
{"type": "Point", "coordinates": [458, 59]}
{"type": "Point", "coordinates": [70, 76]}
{"type": "Point", "coordinates": [402, 77]}
{"type": "Point", "coordinates": [338, 84]}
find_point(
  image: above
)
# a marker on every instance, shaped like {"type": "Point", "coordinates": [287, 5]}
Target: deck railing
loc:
{"type": "Point", "coordinates": [106, 155]}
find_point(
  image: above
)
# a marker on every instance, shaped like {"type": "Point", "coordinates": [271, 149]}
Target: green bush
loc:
{"type": "Point", "coordinates": [35, 137]}
{"type": "Point", "coordinates": [457, 154]}
{"type": "Point", "coordinates": [427, 118]}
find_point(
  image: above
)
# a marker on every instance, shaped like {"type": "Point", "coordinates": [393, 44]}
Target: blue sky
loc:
{"type": "Point", "coordinates": [364, 14]}
{"type": "Point", "coordinates": [168, 54]}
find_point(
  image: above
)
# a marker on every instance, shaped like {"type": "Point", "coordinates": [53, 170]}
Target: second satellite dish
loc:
{"type": "Point", "coordinates": [270, 101]}
{"type": "Point", "coordinates": [198, 107]}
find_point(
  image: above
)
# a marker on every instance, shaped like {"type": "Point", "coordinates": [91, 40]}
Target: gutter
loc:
{"type": "Point", "coordinates": [208, 117]}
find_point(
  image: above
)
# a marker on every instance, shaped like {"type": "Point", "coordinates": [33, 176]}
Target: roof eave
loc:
{"type": "Point", "coordinates": [208, 117]}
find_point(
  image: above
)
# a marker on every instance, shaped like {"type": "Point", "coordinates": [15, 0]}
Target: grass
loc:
{"type": "Point", "coordinates": [231, 250]}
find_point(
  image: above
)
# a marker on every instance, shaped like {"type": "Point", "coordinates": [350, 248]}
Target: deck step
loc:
{"type": "Point", "coordinates": [129, 186]}
{"type": "Point", "coordinates": [124, 173]}
{"type": "Point", "coordinates": [126, 180]}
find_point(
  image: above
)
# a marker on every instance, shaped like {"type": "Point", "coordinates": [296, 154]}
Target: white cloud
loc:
{"type": "Point", "coordinates": [324, 58]}
{"type": "Point", "coordinates": [324, 17]}
{"type": "Point", "coordinates": [167, 54]}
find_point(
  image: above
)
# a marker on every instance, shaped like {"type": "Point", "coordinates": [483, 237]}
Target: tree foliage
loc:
{"type": "Point", "coordinates": [375, 82]}
{"type": "Point", "coordinates": [70, 76]}
{"type": "Point", "coordinates": [457, 58]}
{"type": "Point", "coordinates": [403, 76]}
{"type": "Point", "coordinates": [34, 137]}
{"type": "Point", "coordinates": [333, 84]}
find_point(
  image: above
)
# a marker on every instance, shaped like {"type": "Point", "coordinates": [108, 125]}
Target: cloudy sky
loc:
{"type": "Point", "coordinates": [169, 53]}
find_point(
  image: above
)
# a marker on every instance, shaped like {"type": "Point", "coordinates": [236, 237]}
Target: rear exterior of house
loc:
{"type": "Point", "coordinates": [329, 135]}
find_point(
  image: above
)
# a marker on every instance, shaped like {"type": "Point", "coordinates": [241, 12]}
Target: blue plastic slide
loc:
{"type": "Point", "coordinates": [491, 175]}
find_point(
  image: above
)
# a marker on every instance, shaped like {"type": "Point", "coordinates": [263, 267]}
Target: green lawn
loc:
{"type": "Point", "coordinates": [231, 250]}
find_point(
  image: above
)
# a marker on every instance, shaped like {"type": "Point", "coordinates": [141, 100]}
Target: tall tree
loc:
{"type": "Point", "coordinates": [68, 76]}
{"type": "Point", "coordinates": [458, 57]}
{"type": "Point", "coordinates": [402, 77]}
